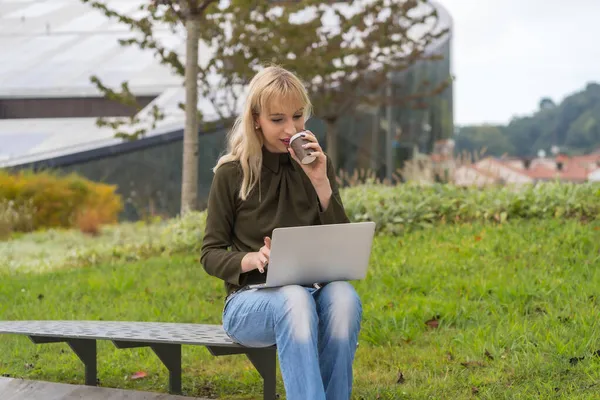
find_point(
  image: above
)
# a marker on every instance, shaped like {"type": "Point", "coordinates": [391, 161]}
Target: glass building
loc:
{"type": "Point", "coordinates": [49, 107]}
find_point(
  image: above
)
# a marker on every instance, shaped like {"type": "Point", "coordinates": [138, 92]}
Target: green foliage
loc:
{"type": "Point", "coordinates": [573, 126]}
{"type": "Point", "coordinates": [584, 132]}
{"type": "Point", "coordinates": [475, 138]}
{"type": "Point", "coordinates": [458, 312]}
{"type": "Point", "coordinates": [396, 209]}
{"type": "Point", "coordinates": [341, 68]}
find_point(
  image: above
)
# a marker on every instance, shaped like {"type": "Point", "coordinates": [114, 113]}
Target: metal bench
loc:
{"type": "Point", "coordinates": [165, 339]}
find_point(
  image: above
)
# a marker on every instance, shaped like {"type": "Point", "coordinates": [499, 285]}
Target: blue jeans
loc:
{"type": "Point", "coordinates": [316, 332]}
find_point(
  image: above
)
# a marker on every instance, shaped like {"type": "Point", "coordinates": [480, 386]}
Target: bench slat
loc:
{"type": "Point", "coordinates": [163, 337]}
{"type": "Point", "coordinates": [153, 332]}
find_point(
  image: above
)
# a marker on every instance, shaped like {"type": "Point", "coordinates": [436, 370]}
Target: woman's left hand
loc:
{"type": "Point", "coordinates": [316, 170]}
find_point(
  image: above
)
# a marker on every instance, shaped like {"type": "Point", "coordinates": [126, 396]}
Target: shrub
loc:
{"type": "Point", "coordinates": [60, 201]}
{"type": "Point", "coordinates": [88, 221]}
{"type": "Point", "coordinates": [401, 207]}
{"type": "Point", "coordinates": [15, 218]}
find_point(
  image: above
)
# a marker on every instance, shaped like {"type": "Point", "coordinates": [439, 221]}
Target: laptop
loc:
{"type": "Point", "coordinates": [309, 255]}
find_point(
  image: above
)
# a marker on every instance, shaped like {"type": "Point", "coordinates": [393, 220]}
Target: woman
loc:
{"type": "Point", "coordinates": [259, 185]}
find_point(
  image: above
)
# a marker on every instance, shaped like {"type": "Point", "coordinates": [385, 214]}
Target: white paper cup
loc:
{"type": "Point", "coordinates": [304, 155]}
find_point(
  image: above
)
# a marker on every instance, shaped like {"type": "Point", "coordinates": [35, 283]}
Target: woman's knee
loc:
{"type": "Point", "coordinates": [342, 297]}
{"type": "Point", "coordinates": [296, 310]}
{"type": "Point", "coordinates": [340, 308]}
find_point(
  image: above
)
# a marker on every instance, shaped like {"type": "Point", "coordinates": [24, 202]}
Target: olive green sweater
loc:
{"type": "Point", "coordinates": [235, 227]}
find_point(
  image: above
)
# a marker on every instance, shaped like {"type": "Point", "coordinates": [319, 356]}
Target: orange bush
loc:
{"type": "Point", "coordinates": [88, 221]}
{"type": "Point", "coordinates": [60, 201]}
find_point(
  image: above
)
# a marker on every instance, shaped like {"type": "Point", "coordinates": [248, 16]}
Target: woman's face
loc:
{"type": "Point", "coordinates": [279, 123]}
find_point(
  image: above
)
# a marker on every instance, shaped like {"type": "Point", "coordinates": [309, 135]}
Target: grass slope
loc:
{"type": "Point", "coordinates": [459, 311]}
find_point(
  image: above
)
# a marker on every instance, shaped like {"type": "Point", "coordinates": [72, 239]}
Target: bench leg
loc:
{"type": "Point", "coordinates": [265, 361]}
{"type": "Point", "coordinates": [86, 351]}
{"type": "Point", "coordinates": [170, 355]}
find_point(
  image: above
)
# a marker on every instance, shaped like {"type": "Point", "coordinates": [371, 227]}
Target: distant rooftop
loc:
{"type": "Point", "coordinates": [51, 48]}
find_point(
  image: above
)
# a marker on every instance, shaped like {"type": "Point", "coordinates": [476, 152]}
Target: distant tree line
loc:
{"type": "Point", "coordinates": [571, 127]}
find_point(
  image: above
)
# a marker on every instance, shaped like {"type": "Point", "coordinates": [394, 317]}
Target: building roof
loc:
{"type": "Point", "coordinates": [50, 48]}
{"type": "Point", "coordinates": [574, 169]}
{"type": "Point", "coordinates": [500, 163]}
{"type": "Point", "coordinates": [574, 172]}
{"type": "Point", "coordinates": [24, 141]}
{"type": "Point", "coordinates": [541, 172]}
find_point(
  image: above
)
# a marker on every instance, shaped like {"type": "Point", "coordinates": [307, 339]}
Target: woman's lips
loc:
{"type": "Point", "coordinates": [286, 142]}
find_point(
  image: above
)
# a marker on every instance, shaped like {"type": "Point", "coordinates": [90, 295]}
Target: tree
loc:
{"type": "Point", "coordinates": [475, 138]}
{"type": "Point", "coordinates": [342, 67]}
{"type": "Point", "coordinates": [189, 12]}
{"type": "Point", "coordinates": [546, 103]}
{"type": "Point", "coordinates": [573, 126]}
{"type": "Point", "coordinates": [584, 132]}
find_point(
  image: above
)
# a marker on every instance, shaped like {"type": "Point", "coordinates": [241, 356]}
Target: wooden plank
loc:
{"type": "Point", "coordinates": [20, 389]}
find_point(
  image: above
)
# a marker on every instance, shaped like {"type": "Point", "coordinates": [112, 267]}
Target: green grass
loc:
{"type": "Point", "coordinates": [517, 306]}
{"type": "Point", "coordinates": [53, 249]}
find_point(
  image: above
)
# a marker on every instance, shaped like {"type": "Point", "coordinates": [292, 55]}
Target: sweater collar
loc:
{"type": "Point", "coordinates": [273, 160]}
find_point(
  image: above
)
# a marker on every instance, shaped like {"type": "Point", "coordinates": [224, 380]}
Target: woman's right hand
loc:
{"type": "Point", "coordinates": [258, 259]}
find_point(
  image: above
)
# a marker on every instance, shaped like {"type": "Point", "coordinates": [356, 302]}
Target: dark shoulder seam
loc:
{"type": "Point", "coordinates": [231, 166]}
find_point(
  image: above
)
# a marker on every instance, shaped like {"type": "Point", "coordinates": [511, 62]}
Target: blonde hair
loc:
{"type": "Point", "coordinates": [244, 143]}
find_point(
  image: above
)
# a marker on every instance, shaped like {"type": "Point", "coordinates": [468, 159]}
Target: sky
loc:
{"type": "Point", "coordinates": [508, 54]}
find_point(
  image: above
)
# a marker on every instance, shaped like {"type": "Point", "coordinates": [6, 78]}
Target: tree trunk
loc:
{"type": "Point", "coordinates": [375, 141]}
{"type": "Point", "coordinates": [331, 141]}
{"type": "Point", "coordinates": [189, 179]}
